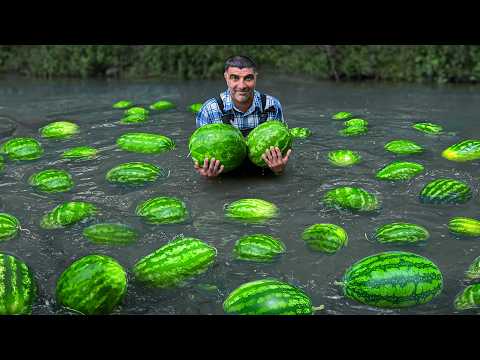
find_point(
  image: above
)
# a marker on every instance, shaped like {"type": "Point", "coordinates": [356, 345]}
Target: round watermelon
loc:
{"type": "Point", "coordinates": [270, 133]}
{"type": "Point", "coordinates": [22, 148]}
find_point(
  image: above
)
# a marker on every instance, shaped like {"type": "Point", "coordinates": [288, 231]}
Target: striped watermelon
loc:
{"type": "Point", "coordinates": [342, 115]}
{"type": "Point", "coordinates": [22, 148]}
{"type": "Point", "coordinates": [464, 226]}
{"type": "Point", "coordinates": [300, 132]}
{"type": "Point", "coordinates": [1, 163]}
{"type": "Point", "coordinates": [195, 108]}
{"type": "Point", "coordinates": [428, 128]}
{"type": "Point", "coordinates": [51, 181]}
{"type": "Point", "coordinates": [18, 290]}
{"type": "Point", "coordinates": [344, 157]}
{"type": "Point", "coordinates": [145, 143]}
{"type": "Point", "coordinates": [268, 297]}
{"type": "Point", "coordinates": [134, 173]}
{"type": "Point", "coordinates": [122, 104]}
{"type": "Point", "coordinates": [137, 111]}
{"type": "Point", "coordinates": [468, 298]}
{"type": "Point", "coordinates": [466, 150]}
{"type": "Point", "coordinates": [220, 141]}
{"type": "Point", "coordinates": [473, 272]}
{"type": "Point", "coordinates": [174, 263]}
{"type": "Point", "coordinates": [162, 105]}
{"type": "Point", "coordinates": [134, 119]}
{"type": "Point", "coordinates": [353, 131]}
{"type": "Point", "coordinates": [163, 210]}
{"type": "Point", "coordinates": [251, 210]}
{"type": "Point", "coordinates": [112, 234]}
{"type": "Point", "coordinates": [400, 170]}
{"type": "Point", "coordinates": [394, 279]}
{"type": "Point", "coordinates": [59, 130]}
{"type": "Point", "coordinates": [67, 214]}
{"type": "Point", "coordinates": [401, 233]}
{"type": "Point", "coordinates": [351, 198]}
{"type": "Point", "coordinates": [445, 191]}
{"type": "Point", "coordinates": [92, 285]}
{"type": "Point", "coordinates": [270, 133]}
{"type": "Point", "coordinates": [403, 147]}
{"type": "Point", "coordinates": [80, 152]}
{"type": "Point", "coordinates": [9, 226]}
{"type": "Point", "coordinates": [258, 247]}
{"type": "Point", "coordinates": [327, 238]}
{"type": "Point", "coordinates": [356, 122]}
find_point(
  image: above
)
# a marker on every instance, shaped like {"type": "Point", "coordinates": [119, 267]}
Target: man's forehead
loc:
{"type": "Point", "coordinates": [240, 72]}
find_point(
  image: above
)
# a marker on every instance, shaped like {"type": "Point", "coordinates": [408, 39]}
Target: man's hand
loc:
{"type": "Point", "coordinates": [212, 170]}
{"type": "Point", "coordinates": [273, 158]}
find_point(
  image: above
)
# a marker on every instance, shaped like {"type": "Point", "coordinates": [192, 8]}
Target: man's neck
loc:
{"type": "Point", "coordinates": [243, 107]}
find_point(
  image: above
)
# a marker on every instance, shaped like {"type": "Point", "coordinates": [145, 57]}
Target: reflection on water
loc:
{"type": "Point", "coordinates": [390, 111]}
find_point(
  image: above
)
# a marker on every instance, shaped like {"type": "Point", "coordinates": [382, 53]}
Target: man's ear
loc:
{"type": "Point", "coordinates": [225, 75]}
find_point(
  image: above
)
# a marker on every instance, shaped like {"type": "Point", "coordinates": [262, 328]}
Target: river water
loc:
{"type": "Point", "coordinates": [390, 111]}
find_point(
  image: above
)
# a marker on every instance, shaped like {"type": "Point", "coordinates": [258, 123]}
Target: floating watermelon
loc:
{"type": "Point", "coordinates": [92, 285]}
{"type": "Point", "coordinates": [67, 214]}
{"type": "Point", "coordinates": [137, 111]}
{"type": "Point", "coordinates": [394, 279]}
{"type": "Point", "coordinates": [356, 122]}
{"type": "Point", "coordinates": [195, 108]}
{"type": "Point", "coordinates": [353, 131]}
{"type": "Point", "coordinates": [1, 163]}
{"type": "Point", "coordinates": [473, 272]}
{"type": "Point", "coordinates": [464, 226]}
{"type": "Point", "coordinates": [134, 173]}
{"type": "Point", "coordinates": [468, 298]}
{"type": "Point", "coordinates": [145, 143]}
{"type": "Point", "coordinates": [403, 147]}
{"type": "Point", "coordinates": [400, 170]}
{"type": "Point", "coordinates": [270, 133]}
{"type": "Point", "coordinates": [59, 130]}
{"type": "Point", "coordinates": [134, 119]}
{"type": "Point", "coordinates": [22, 148]}
{"type": "Point", "coordinates": [342, 115]}
{"type": "Point", "coordinates": [268, 297]}
{"type": "Point", "coordinates": [258, 247]}
{"type": "Point", "coordinates": [111, 234]}
{"type": "Point", "coordinates": [220, 141]}
{"type": "Point", "coordinates": [122, 104]}
{"type": "Point", "coordinates": [51, 181]}
{"type": "Point", "coordinates": [80, 152]}
{"type": "Point", "coordinates": [445, 191]}
{"type": "Point", "coordinates": [428, 128]}
{"type": "Point", "coordinates": [401, 233]}
{"type": "Point", "coordinates": [162, 105]}
{"type": "Point", "coordinates": [9, 226]}
{"type": "Point", "coordinates": [344, 157]}
{"type": "Point", "coordinates": [174, 263]}
{"type": "Point", "coordinates": [466, 150]}
{"type": "Point", "coordinates": [327, 238]}
{"type": "Point", "coordinates": [351, 198]}
{"type": "Point", "coordinates": [251, 210]}
{"type": "Point", "coordinates": [300, 132]}
{"type": "Point", "coordinates": [163, 210]}
{"type": "Point", "coordinates": [18, 290]}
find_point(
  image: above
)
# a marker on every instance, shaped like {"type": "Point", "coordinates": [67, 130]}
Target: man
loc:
{"type": "Point", "coordinates": [243, 107]}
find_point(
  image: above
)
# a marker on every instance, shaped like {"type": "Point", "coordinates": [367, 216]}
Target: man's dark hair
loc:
{"type": "Point", "coordinates": [240, 62]}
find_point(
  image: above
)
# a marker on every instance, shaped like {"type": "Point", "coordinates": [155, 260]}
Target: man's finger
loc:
{"type": "Point", "coordinates": [212, 164]}
{"type": "Point", "coordinates": [285, 159]}
{"type": "Point", "coordinates": [220, 171]}
{"type": "Point", "coordinates": [195, 165]}
{"type": "Point", "coordinates": [217, 164]}
{"type": "Point", "coordinates": [205, 164]}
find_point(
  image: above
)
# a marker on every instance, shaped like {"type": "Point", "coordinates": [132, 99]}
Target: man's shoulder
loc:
{"type": "Point", "coordinates": [272, 101]}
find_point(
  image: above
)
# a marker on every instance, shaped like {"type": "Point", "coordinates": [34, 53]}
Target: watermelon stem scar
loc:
{"type": "Point", "coordinates": [318, 308]}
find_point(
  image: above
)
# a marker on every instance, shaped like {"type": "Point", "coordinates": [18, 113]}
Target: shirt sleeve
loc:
{"type": "Point", "coordinates": [209, 113]}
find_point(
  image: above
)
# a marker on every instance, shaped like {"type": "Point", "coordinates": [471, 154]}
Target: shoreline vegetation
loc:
{"type": "Point", "coordinates": [390, 63]}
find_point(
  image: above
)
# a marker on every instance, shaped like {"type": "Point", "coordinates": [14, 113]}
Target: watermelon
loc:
{"type": "Point", "coordinates": [174, 263]}
{"type": "Point", "coordinates": [145, 143]}
{"type": "Point", "coordinates": [112, 234]}
{"type": "Point", "coordinates": [400, 170]}
{"type": "Point", "coordinates": [134, 173]}
{"type": "Point", "coordinates": [351, 198]}
{"type": "Point", "coordinates": [51, 181]}
{"type": "Point", "coordinates": [195, 108]}
{"type": "Point", "coordinates": [268, 297]}
{"type": "Point", "coordinates": [251, 210]}
{"type": "Point", "coordinates": [1, 163]}
{"type": "Point", "coordinates": [9, 226]}
{"type": "Point", "coordinates": [220, 141]}
{"type": "Point", "coordinates": [137, 111]}
{"type": "Point", "coordinates": [466, 150]}
{"type": "Point", "coordinates": [327, 238]}
{"type": "Point", "coordinates": [134, 119]}
{"type": "Point", "coordinates": [473, 272]}
{"type": "Point", "coordinates": [67, 214]}
{"type": "Point", "coordinates": [80, 152]}
{"type": "Point", "coordinates": [162, 105]}
{"type": "Point", "coordinates": [300, 132]}
{"type": "Point", "coordinates": [394, 279]}
{"type": "Point", "coordinates": [428, 128]}
{"type": "Point", "coordinates": [270, 133]}
{"type": "Point", "coordinates": [122, 104]}
{"type": "Point", "coordinates": [356, 122]}
{"type": "Point", "coordinates": [59, 130]}
{"type": "Point", "coordinates": [403, 147]}
{"type": "Point", "coordinates": [353, 131]}
{"type": "Point", "coordinates": [344, 157]}
{"type": "Point", "coordinates": [18, 290]}
{"type": "Point", "coordinates": [342, 115]}
{"type": "Point", "coordinates": [464, 226]}
{"type": "Point", "coordinates": [258, 247]}
{"type": "Point", "coordinates": [163, 210]}
{"type": "Point", "coordinates": [401, 233]}
{"type": "Point", "coordinates": [445, 191]}
{"type": "Point", "coordinates": [22, 148]}
{"type": "Point", "coordinates": [92, 285]}
{"type": "Point", "coordinates": [468, 298]}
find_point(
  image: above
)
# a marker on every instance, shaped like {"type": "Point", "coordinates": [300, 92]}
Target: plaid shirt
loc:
{"type": "Point", "coordinates": [210, 112]}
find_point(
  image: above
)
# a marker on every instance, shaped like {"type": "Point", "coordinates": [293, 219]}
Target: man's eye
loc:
{"type": "Point", "coordinates": [249, 78]}
{"type": "Point", "coordinates": [233, 77]}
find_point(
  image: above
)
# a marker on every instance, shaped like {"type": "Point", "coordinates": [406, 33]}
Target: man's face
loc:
{"type": "Point", "coordinates": [241, 83]}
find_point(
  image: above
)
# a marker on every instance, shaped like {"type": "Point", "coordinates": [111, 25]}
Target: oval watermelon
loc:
{"type": "Point", "coordinates": [400, 170]}
{"type": "Point", "coordinates": [468, 298]}
{"type": "Point", "coordinates": [22, 148]}
{"type": "Point", "coordinates": [9, 226]}
{"type": "Point", "coordinates": [344, 157]}
{"type": "Point", "coordinates": [464, 226]}
{"type": "Point", "coordinates": [67, 214]}
{"type": "Point", "coordinates": [258, 247]}
{"type": "Point", "coordinates": [51, 181]}
{"type": "Point", "coordinates": [356, 122]}
{"type": "Point", "coordinates": [137, 111]}
{"type": "Point", "coordinates": [342, 115]}
{"type": "Point", "coordinates": [162, 105]}
{"type": "Point", "coordinates": [327, 238]}
{"type": "Point", "coordinates": [401, 233]}
{"type": "Point", "coordinates": [351, 198]}
{"type": "Point", "coordinates": [445, 191]}
{"type": "Point", "coordinates": [122, 104]}
{"type": "Point", "coordinates": [251, 210]}
{"type": "Point", "coordinates": [403, 147]}
{"type": "Point", "coordinates": [145, 143]}
{"type": "Point", "coordinates": [112, 234]}
{"type": "Point", "coordinates": [80, 152]}
{"type": "Point", "coordinates": [195, 108]}
{"type": "Point", "coordinates": [163, 210]}
{"type": "Point", "coordinates": [428, 128]}
{"type": "Point", "coordinates": [59, 130]}
{"type": "Point", "coordinates": [473, 272]}
{"type": "Point", "coordinates": [300, 132]}
{"type": "Point", "coordinates": [134, 119]}
{"type": "Point", "coordinates": [134, 173]}
{"type": "Point", "coordinates": [466, 150]}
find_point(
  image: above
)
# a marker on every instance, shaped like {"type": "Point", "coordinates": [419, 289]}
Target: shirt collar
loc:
{"type": "Point", "coordinates": [228, 103]}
